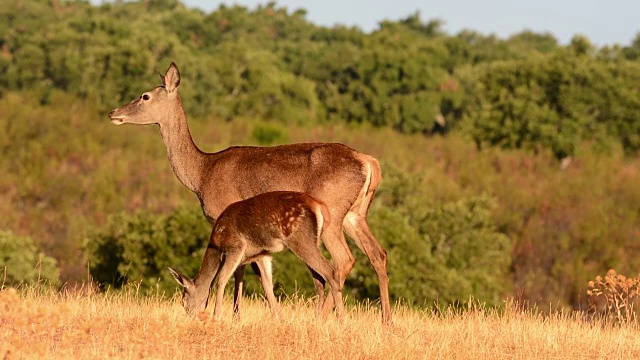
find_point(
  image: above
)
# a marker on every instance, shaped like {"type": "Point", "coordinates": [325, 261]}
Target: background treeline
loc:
{"type": "Point", "coordinates": [469, 128]}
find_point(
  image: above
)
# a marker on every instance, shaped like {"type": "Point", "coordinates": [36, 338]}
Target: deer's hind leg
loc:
{"type": "Point", "coordinates": [335, 242]}
{"type": "Point", "coordinates": [319, 283]}
{"type": "Point", "coordinates": [358, 229]}
{"type": "Point", "coordinates": [306, 248]}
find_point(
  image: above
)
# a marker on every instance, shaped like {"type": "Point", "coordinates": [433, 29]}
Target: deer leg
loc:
{"type": "Point", "coordinates": [231, 261]}
{"type": "Point", "coordinates": [333, 239]}
{"type": "Point", "coordinates": [266, 278]}
{"type": "Point", "coordinates": [358, 229]}
{"type": "Point", "coordinates": [319, 283]}
{"type": "Point", "coordinates": [238, 286]}
{"type": "Point", "coordinates": [256, 269]}
{"type": "Point", "coordinates": [311, 255]}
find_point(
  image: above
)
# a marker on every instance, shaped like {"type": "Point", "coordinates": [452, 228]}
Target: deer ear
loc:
{"type": "Point", "coordinates": [171, 80]}
{"type": "Point", "coordinates": [179, 278]}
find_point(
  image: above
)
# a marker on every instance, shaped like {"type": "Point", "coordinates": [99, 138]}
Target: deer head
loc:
{"type": "Point", "coordinates": [194, 299]}
{"type": "Point", "coordinates": [158, 106]}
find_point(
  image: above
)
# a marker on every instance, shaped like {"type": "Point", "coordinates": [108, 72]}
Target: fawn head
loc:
{"type": "Point", "coordinates": [193, 301]}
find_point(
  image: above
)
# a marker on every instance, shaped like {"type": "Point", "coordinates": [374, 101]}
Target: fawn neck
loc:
{"type": "Point", "coordinates": [208, 270]}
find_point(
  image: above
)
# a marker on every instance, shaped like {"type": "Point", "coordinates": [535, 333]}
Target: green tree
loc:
{"type": "Point", "coordinates": [632, 52]}
{"type": "Point", "coordinates": [551, 102]}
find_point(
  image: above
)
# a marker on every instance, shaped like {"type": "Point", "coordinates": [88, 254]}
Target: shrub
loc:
{"type": "Point", "coordinates": [614, 296]}
{"type": "Point", "coordinates": [22, 262]}
{"type": "Point", "coordinates": [441, 254]}
{"type": "Point", "coordinates": [140, 247]}
{"type": "Point", "coordinates": [265, 133]}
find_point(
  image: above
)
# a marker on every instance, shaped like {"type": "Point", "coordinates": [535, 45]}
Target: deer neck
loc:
{"type": "Point", "coordinates": [208, 270]}
{"type": "Point", "coordinates": [185, 157]}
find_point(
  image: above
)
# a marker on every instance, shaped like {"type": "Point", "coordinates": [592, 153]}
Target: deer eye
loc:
{"type": "Point", "coordinates": [146, 97]}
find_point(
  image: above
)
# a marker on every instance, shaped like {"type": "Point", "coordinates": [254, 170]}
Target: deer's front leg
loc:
{"type": "Point", "coordinates": [231, 262]}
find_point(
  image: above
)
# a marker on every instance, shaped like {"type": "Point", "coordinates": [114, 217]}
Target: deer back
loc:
{"type": "Point", "coordinates": [330, 172]}
{"type": "Point", "coordinates": [263, 223]}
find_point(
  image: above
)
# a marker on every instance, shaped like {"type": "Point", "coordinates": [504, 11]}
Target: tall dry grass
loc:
{"type": "Point", "coordinates": [86, 325]}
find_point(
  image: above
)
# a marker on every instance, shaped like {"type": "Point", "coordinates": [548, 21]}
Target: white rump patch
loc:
{"type": "Point", "coordinates": [320, 223]}
{"type": "Point", "coordinates": [363, 192]}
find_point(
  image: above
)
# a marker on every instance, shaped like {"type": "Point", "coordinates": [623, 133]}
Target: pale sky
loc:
{"type": "Point", "coordinates": [603, 22]}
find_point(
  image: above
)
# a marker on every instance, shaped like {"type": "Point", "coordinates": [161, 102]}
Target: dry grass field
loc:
{"type": "Point", "coordinates": [86, 325]}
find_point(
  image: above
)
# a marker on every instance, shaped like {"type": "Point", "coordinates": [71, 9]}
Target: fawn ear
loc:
{"type": "Point", "coordinates": [171, 80]}
{"type": "Point", "coordinates": [186, 283]}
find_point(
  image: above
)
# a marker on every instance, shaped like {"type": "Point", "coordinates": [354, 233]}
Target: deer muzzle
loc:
{"type": "Point", "coordinates": [115, 119]}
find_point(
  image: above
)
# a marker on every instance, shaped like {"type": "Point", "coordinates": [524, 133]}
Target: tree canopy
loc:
{"type": "Point", "coordinates": [271, 63]}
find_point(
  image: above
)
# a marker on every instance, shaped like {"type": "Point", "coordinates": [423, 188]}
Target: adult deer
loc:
{"type": "Point", "coordinates": [249, 231]}
{"type": "Point", "coordinates": [342, 178]}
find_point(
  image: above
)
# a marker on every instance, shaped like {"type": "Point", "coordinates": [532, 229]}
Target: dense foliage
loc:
{"type": "Point", "coordinates": [270, 63]}
{"type": "Point", "coordinates": [445, 252]}
{"type": "Point", "coordinates": [469, 128]}
{"type": "Point", "coordinates": [21, 262]}
{"type": "Point", "coordinates": [140, 247]}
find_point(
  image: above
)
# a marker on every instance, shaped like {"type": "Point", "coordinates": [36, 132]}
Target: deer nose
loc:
{"type": "Point", "coordinates": [111, 113]}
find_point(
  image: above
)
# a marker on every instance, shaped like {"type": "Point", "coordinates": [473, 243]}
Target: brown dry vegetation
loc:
{"type": "Point", "coordinates": [85, 325]}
